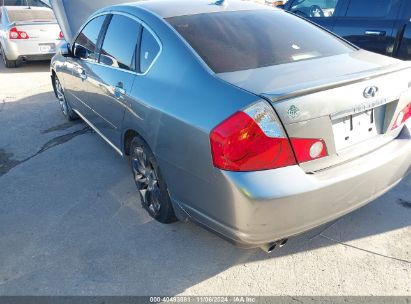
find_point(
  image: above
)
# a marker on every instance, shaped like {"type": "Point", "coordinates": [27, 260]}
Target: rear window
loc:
{"type": "Point", "coordinates": [243, 40]}
{"type": "Point", "coordinates": [31, 15]}
{"type": "Point", "coordinates": [23, 3]}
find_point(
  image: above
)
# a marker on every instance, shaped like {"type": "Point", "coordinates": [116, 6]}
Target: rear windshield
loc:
{"type": "Point", "coordinates": [23, 3]}
{"type": "Point", "coordinates": [31, 15]}
{"type": "Point", "coordinates": [243, 40]}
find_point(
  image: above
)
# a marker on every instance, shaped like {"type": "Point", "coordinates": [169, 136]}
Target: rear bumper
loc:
{"type": "Point", "coordinates": [276, 204]}
{"type": "Point", "coordinates": [28, 50]}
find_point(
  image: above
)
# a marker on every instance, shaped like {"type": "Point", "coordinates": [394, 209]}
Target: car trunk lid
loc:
{"type": "Point", "coordinates": [39, 31]}
{"type": "Point", "coordinates": [350, 101]}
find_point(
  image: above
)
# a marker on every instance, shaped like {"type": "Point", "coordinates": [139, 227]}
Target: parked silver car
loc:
{"type": "Point", "coordinates": [257, 132]}
{"type": "Point", "coordinates": [27, 33]}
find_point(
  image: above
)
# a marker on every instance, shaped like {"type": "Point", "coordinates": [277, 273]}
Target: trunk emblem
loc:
{"type": "Point", "coordinates": [371, 92]}
{"type": "Point", "coordinates": [294, 112]}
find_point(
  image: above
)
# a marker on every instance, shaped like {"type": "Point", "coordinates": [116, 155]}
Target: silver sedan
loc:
{"type": "Point", "coordinates": [252, 122]}
{"type": "Point", "coordinates": [27, 33]}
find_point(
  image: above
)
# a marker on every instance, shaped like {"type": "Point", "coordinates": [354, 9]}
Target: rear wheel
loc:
{"type": "Point", "coordinates": [11, 64]}
{"type": "Point", "coordinates": [150, 184]}
{"type": "Point", "coordinates": [65, 107]}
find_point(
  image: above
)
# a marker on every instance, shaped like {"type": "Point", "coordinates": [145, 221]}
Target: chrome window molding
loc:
{"type": "Point", "coordinates": [142, 23]}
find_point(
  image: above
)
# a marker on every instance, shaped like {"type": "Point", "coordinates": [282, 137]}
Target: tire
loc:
{"type": "Point", "coordinates": [65, 107]}
{"type": "Point", "coordinates": [10, 64]}
{"type": "Point", "coordinates": [150, 183]}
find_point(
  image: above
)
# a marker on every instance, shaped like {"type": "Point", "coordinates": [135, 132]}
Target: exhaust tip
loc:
{"type": "Point", "coordinates": [282, 243]}
{"type": "Point", "coordinates": [268, 248]}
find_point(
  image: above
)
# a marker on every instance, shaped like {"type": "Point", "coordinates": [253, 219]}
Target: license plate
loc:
{"type": "Point", "coordinates": [47, 48]}
{"type": "Point", "coordinates": [356, 128]}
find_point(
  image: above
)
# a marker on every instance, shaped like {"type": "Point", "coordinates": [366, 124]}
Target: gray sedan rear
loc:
{"type": "Point", "coordinates": [254, 130]}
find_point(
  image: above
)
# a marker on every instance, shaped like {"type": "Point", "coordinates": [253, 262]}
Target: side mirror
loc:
{"type": "Point", "coordinates": [80, 52]}
{"type": "Point", "coordinates": [64, 49]}
{"type": "Point", "coordinates": [281, 6]}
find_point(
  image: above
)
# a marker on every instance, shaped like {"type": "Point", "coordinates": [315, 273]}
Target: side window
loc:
{"type": "Point", "coordinates": [85, 46]}
{"type": "Point", "coordinates": [149, 50]}
{"type": "Point", "coordinates": [120, 42]}
{"type": "Point", "coordinates": [314, 8]}
{"type": "Point", "coordinates": [370, 8]}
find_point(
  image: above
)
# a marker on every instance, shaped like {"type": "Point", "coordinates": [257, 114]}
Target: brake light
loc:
{"type": "Point", "coordinates": [15, 34]}
{"type": "Point", "coordinates": [403, 116]}
{"type": "Point", "coordinates": [61, 35]}
{"type": "Point", "coordinates": [251, 140]}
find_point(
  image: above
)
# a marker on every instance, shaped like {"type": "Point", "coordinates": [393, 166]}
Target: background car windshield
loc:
{"type": "Point", "coordinates": [242, 40]}
{"type": "Point", "coordinates": [20, 15]}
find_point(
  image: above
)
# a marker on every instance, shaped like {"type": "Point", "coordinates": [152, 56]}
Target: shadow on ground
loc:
{"type": "Point", "coordinates": [26, 67]}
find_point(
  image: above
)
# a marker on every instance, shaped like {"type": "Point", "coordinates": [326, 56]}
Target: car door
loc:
{"type": "Point", "coordinates": [85, 51]}
{"type": "Point", "coordinates": [111, 80]}
{"type": "Point", "coordinates": [322, 12]}
{"type": "Point", "coordinates": [370, 24]}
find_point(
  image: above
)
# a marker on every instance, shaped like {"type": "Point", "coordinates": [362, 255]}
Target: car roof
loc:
{"type": "Point", "coordinates": [72, 14]}
{"type": "Point", "coordinates": [173, 8]}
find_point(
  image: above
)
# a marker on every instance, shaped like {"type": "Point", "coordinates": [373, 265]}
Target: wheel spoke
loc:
{"type": "Point", "coordinates": [142, 165]}
{"type": "Point", "coordinates": [144, 196]}
{"type": "Point", "coordinates": [141, 181]}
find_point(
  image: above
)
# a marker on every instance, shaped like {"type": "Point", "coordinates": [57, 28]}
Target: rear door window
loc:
{"type": "Point", "coordinates": [371, 8]}
{"type": "Point", "coordinates": [314, 8]}
{"type": "Point", "coordinates": [120, 42]}
{"type": "Point", "coordinates": [88, 38]}
{"type": "Point", "coordinates": [242, 40]}
{"type": "Point", "coordinates": [149, 50]}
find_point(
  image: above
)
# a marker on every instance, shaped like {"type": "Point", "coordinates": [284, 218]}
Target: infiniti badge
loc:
{"type": "Point", "coordinates": [371, 92]}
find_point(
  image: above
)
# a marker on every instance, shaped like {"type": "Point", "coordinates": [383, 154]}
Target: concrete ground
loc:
{"type": "Point", "coordinates": [71, 224]}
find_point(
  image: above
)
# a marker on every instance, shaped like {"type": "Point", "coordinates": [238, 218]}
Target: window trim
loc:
{"type": "Point", "coordinates": [104, 30]}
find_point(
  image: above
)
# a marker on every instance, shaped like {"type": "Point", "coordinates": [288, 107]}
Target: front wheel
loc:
{"type": "Point", "coordinates": [150, 184]}
{"type": "Point", "coordinates": [67, 111]}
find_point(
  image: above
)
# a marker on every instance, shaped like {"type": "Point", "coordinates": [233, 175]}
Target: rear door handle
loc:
{"type": "Point", "coordinates": [82, 73]}
{"type": "Point", "coordinates": [375, 33]}
{"type": "Point", "coordinates": [119, 90]}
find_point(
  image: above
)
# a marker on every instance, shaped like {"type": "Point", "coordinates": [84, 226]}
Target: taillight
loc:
{"type": "Point", "coordinates": [15, 34]}
{"type": "Point", "coordinates": [251, 140]}
{"type": "Point", "coordinates": [61, 35]}
{"type": "Point", "coordinates": [403, 116]}
{"type": "Point", "coordinates": [308, 149]}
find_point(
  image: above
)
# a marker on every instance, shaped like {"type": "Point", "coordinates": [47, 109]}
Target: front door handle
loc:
{"type": "Point", "coordinates": [375, 33]}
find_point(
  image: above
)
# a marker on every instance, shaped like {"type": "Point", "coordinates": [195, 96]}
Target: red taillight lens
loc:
{"type": "Point", "coordinates": [403, 116]}
{"type": "Point", "coordinates": [61, 36]}
{"type": "Point", "coordinates": [308, 149]}
{"type": "Point", "coordinates": [251, 140]}
{"type": "Point", "coordinates": [15, 34]}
